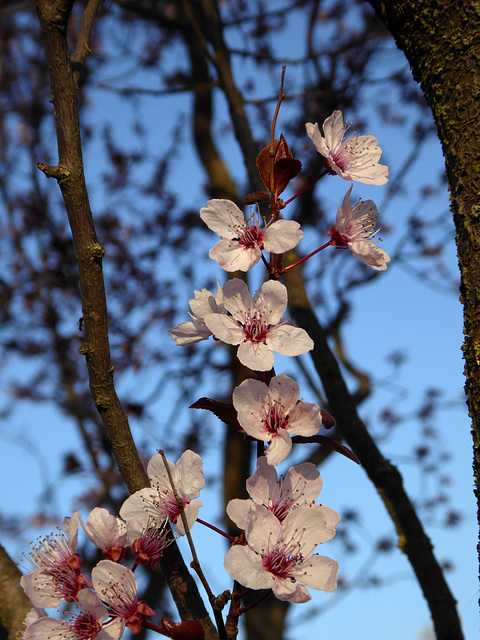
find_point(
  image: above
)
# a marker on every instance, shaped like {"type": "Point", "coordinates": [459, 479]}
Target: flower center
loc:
{"type": "Point", "coordinates": [255, 328]}
{"type": "Point", "coordinates": [280, 563]}
{"type": "Point", "coordinates": [86, 627]}
{"type": "Point", "coordinates": [251, 237]}
{"type": "Point", "coordinates": [275, 418]}
{"type": "Point", "coordinates": [362, 227]}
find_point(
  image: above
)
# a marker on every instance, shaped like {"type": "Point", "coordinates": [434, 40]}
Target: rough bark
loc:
{"type": "Point", "coordinates": [70, 176]}
{"type": "Point", "coordinates": [441, 39]}
{"type": "Point", "coordinates": [14, 604]}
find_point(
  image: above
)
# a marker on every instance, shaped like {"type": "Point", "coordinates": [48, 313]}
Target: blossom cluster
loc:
{"type": "Point", "coordinates": [281, 523]}
{"type": "Point", "coordinates": [108, 602]}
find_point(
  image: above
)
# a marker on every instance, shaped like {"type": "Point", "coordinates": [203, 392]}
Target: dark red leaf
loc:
{"type": "Point", "coordinates": [283, 171]}
{"type": "Point", "coordinates": [186, 630]}
{"type": "Point", "coordinates": [283, 150]}
{"type": "Point", "coordinates": [263, 164]}
{"type": "Point", "coordinates": [222, 410]}
{"type": "Point", "coordinates": [257, 196]}
{"type": "Point", "coordinates": [328, 421]}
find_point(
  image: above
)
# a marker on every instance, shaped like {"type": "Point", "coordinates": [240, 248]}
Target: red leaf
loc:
{"type": "Point", "coordinates": [328, 421]}
{"type": "Point", "coordinates": [257, 196]}
{"type": "Point", "coordinates": [282, 150]}
{"type": "Point", "coordinates": [263, 165]}
{"type": "Point", "coordinates": [224, 411]}
{"type": "Point", "coordinates": [186, 630]}
{"type": "Point", "coordinates": [285, 170]}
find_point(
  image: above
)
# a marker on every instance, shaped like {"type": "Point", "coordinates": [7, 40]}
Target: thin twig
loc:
{"type": "Point", "coordinates": [195, 563]}
{"type": "Point", "coordinates": [81, 48]}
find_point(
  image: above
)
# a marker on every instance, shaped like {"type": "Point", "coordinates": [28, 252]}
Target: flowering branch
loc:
{"type": "Point", "coordinates": [71, 179]}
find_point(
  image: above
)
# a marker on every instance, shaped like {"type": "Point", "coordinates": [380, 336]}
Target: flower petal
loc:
{"type": "Point", "coordinates": [223, 217]}
{"type": "Point", "coordinates": [289, 341]}
{"type": "Point", "coordinates": [282, 236]}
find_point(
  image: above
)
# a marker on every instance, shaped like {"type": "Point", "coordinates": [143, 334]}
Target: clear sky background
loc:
{"type": "Point", "coordinates": [397, 310]}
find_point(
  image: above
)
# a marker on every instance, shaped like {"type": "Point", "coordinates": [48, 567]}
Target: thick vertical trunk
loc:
{"type": "Point", "coordinates": [441, 39]}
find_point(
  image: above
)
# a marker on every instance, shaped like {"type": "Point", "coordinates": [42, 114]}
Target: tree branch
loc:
{"type": "Point", "coordinates": [89, 252]}
{"type": "Point", "coordinates": [14, 604]}
{"type": "Point", "coordinates": [413, 540]}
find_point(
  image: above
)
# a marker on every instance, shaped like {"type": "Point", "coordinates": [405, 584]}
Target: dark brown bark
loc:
{"type": "Point", "coordinates": [69, 173]}
{"type": "Point", "coordinates": [14, 604]}
{"type": "Point", "coordinates": [441, 39]}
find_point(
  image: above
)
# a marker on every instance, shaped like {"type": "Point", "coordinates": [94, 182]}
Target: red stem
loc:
{"type": "Point", "coordinates": [305, 188]}
{"type": "Point", "coordinates": [295, 264]}
{"type": "Point", "coordinates": [210, 526]}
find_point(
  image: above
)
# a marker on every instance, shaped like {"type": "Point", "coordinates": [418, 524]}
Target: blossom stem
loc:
{"type": "Point", "coordinates": [153, 627]}
{"type": "Point", "coordinates": [272, 135]}
{"type": "Point", "coordinates": [295, 264]}
{"type": "Point", "coordinates": [310, 184]}
{"type": "Point", "coordinates": [211, 526]}
{"type": "Point", "coordinates": [195, 564]}
{"type": "Point", "coordinates": [243, 610]}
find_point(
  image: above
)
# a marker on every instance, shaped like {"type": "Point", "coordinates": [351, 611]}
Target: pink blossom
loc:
{"type": "Point", "coordinates": [242, 241]}
{"type": "Point", "coordinates": [271, 413]}
{"type": "Point", "coordinates": [157, 503]}
{"type": "Point", "coordinates": [118, 589]}
{"type": "Point", "coordinates": [300, 487]}
{"type": "Point", "coordinates": [82, 626]}
{"type": "Point", "coordinates": [279, 555]}
{"type": "Point", "coordinates": [106, 532]}
{"type": "Point", "coordinates": [148, 541]}
{"type": "Point", "coordinates": [195, 330]}
{"type": "Point", "coordinates": [255, 325]}
{"type": "Point", "coordinates": [354, 158]}
{"type": "Point", "coordinates": [354, 229]}
{"type": "Point", "coordinates": [56, 575]}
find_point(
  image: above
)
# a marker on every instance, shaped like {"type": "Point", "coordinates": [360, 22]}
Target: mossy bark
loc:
{"type": "Point", "coordinates": [441, 39]}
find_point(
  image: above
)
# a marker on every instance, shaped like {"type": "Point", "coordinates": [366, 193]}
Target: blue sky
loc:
{"type": "Point", "coordinates": [397, 310]}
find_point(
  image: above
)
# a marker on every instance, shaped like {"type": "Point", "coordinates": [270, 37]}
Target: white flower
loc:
{"type": "Point", "coordinates": [56, 575]}
{"type": "Point", "coordinates": [204, 302]}
{"type": "Point", "coordinates": [354, 229]}
{"type": "Point", "coordinates": [354, 158]}
{"type": "Point", "coordinates": [299, 487]}
{"type": "Point", "coordinates": [106, 532]}
{"type": "Point", "coordinates": [148, 541]}
{"type": "Point", "coordinates": [86, 625]}
{"type": "Point", "coordinates": [255, 325]}
{"type": "Point", "coordinates": [242, 241]}
{"type": "Point", "coordinates": [271, 413]}
{"type": "Point", "coordinates": [118, 589]}
{"type": "Point", "coordinates": [279, 555]}
{"type": "Point", "coordinates": [156, 503]}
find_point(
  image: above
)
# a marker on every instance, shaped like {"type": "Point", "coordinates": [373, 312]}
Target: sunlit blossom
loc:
{"type": "Point", "coordinates": [157, 503]}
{"type": "Point", "coordinates": [271, 413]}
{"type": "Point", "coordinates": [148, 541]}
{"type": "Point", "coordinates": [355, 228]}
{"type": "Point", "coordinates": [243, 240]}
{"type": "Point", "coordinates": [56, 575]}
{"type": "Point", "coordinates": [256, 326]}
{"type": "Point", "coordinates": [117, 587]}
{"type": "Point", "coordinates": [85, 625]}
{"type": "Point", "coordinates": [107, 532]}
{"type": "Point", "coordinates": [279, 555]}
{"type": "Point", "coordinates": [352, 158]}
{"type": "Point", "coordinates": [300, 487]}
{"type": "Point", "coordinates": [195, 330]}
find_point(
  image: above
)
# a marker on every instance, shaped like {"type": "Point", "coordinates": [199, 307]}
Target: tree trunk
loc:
{"type": "Point", "coordinates": [441, 39]}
